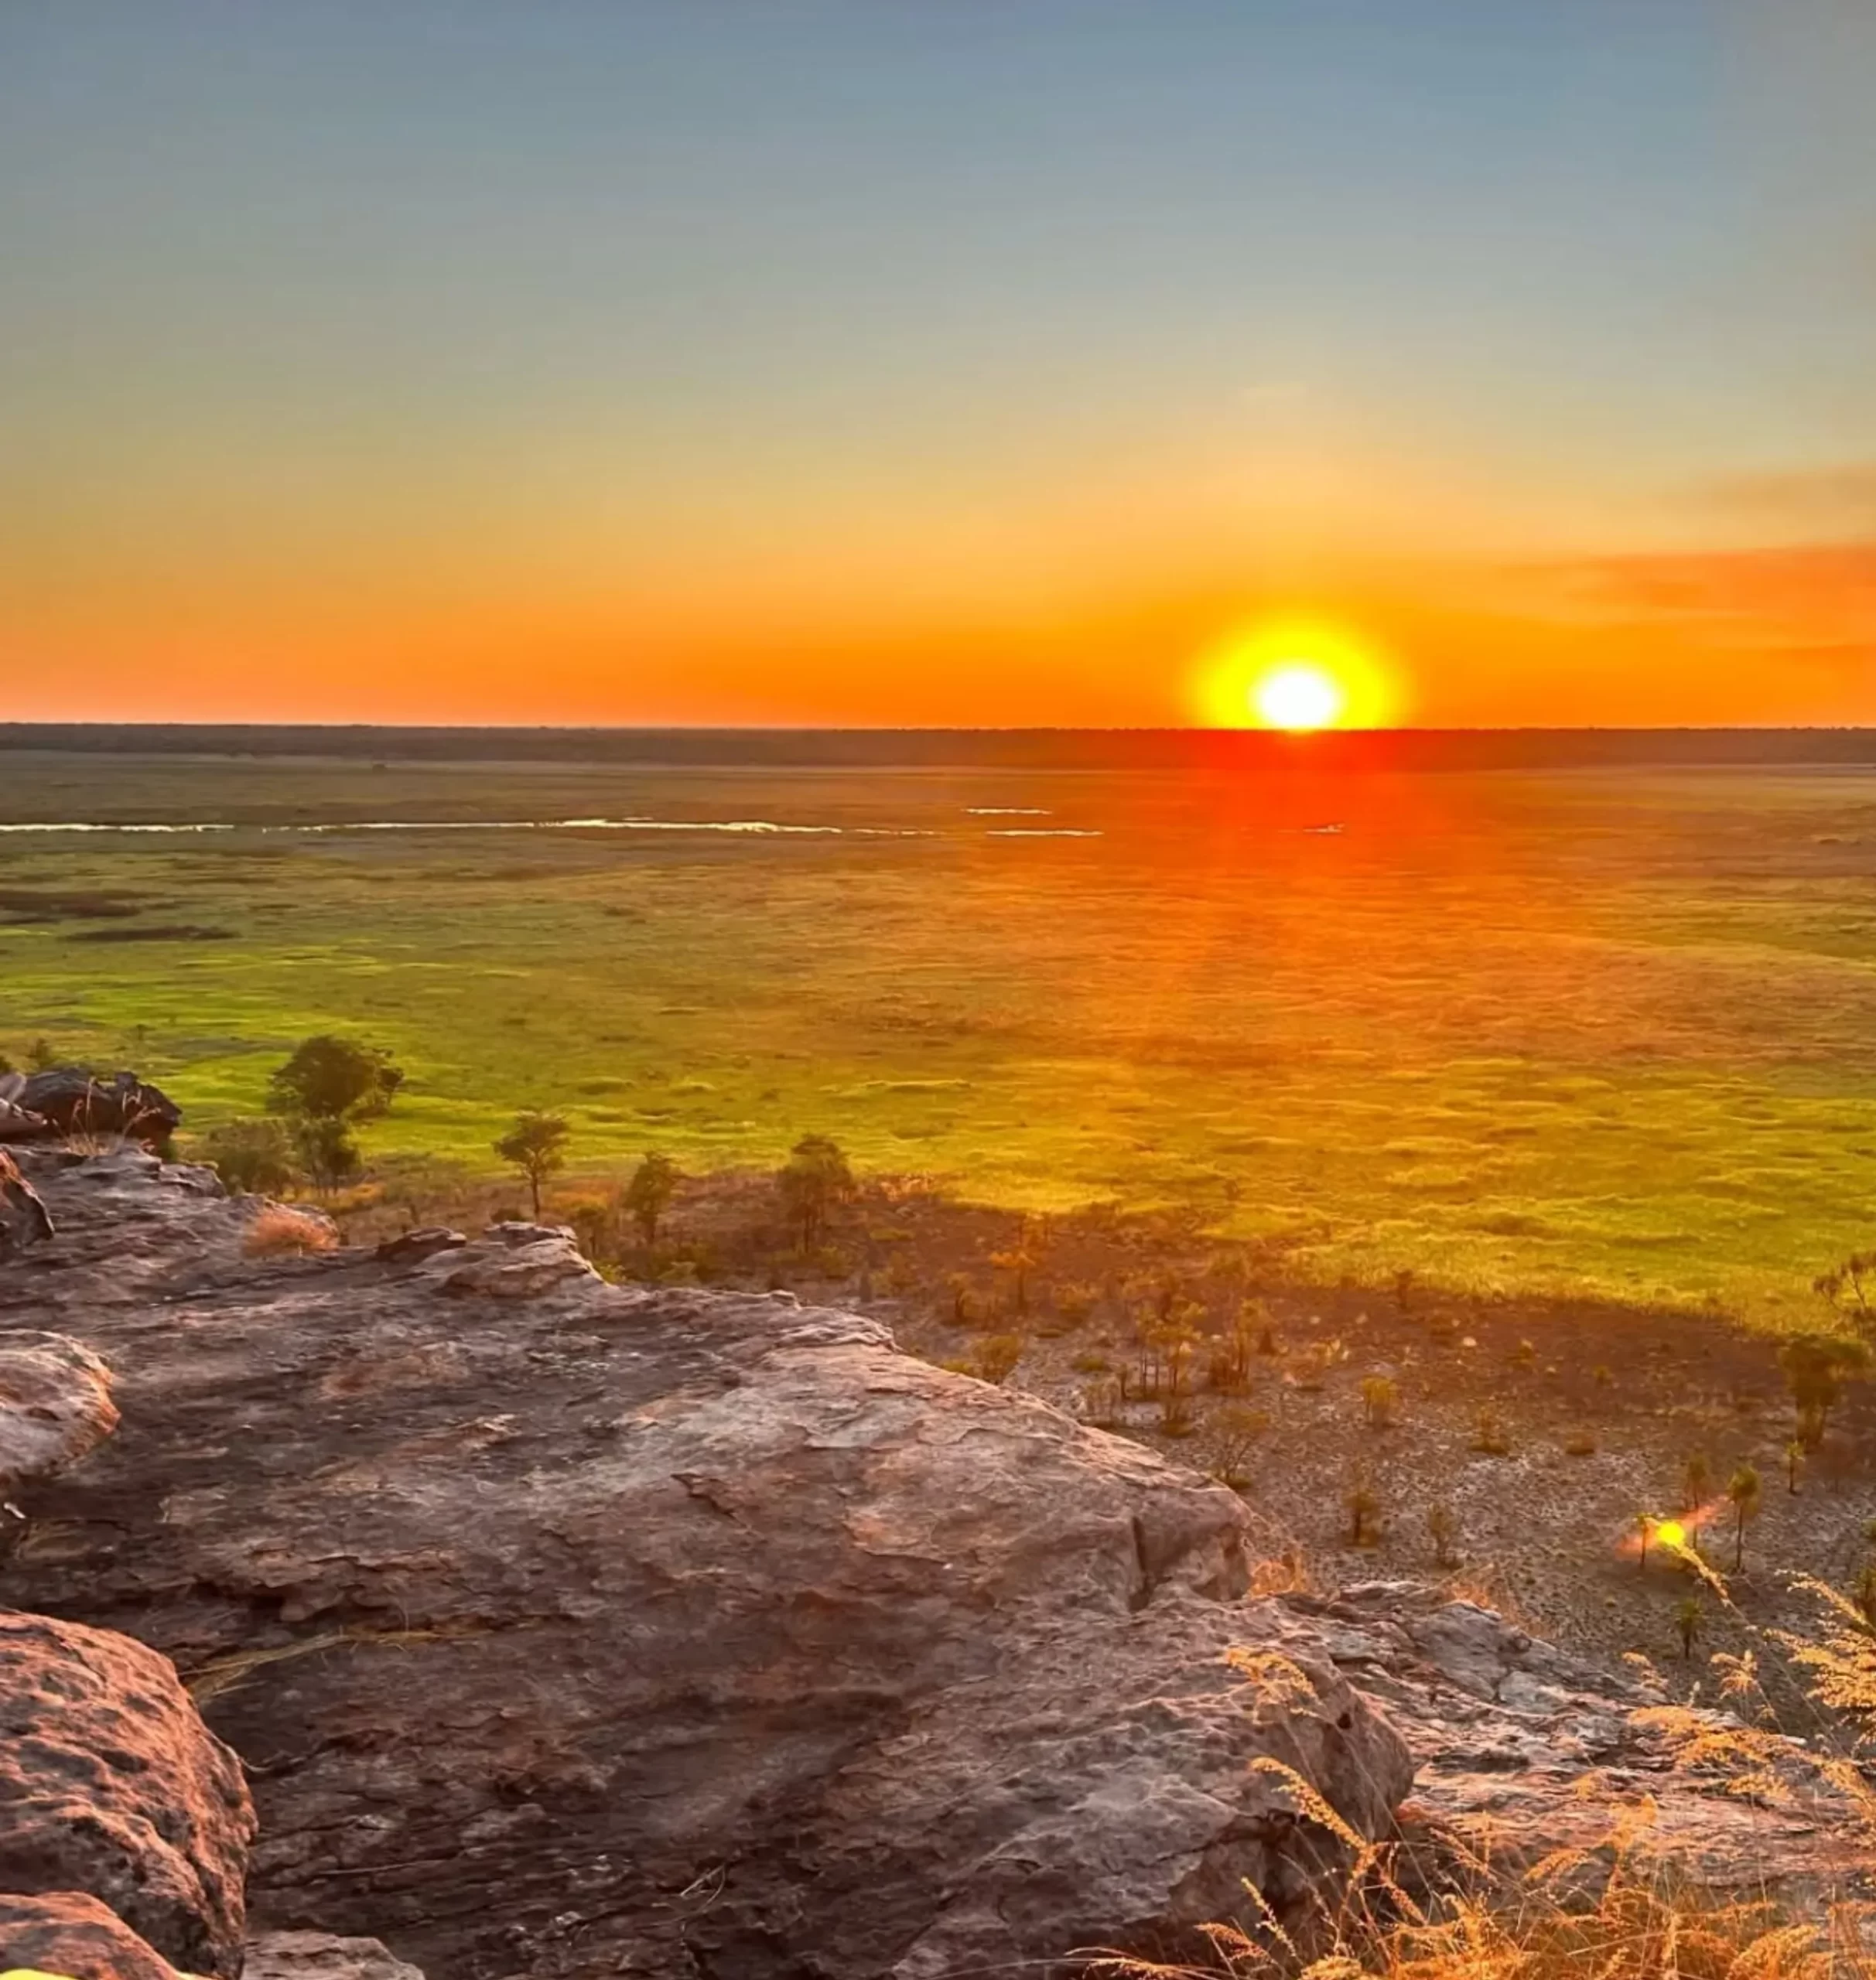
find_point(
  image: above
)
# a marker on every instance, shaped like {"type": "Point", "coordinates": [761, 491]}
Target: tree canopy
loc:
{"type": "Point", "coordinates": [335, 1079]}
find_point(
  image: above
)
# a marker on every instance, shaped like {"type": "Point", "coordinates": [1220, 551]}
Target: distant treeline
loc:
{"type": "Point", "coordinates": [969, 749]}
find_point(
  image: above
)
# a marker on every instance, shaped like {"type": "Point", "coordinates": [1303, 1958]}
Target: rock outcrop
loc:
{"type": "Point", "coordinates": [55, 1406]}
{"type": "Point", "coordinates": [320, 1956]}
{"type": "Point", "coordinates": [24, 1218]}
{"type": "Point", "coordinates": [72, 1935]}
{"type": "Point", "coordinates": [571, 1629]}
{"type": "Point", "coordinates": [567, 1625]}
{"type": "Point", "coordinates": [111, 1787]}
{"type": "Point", "coordinates": [72, 1100]}
{"type": "Point", "coordinates": [1522, 1754]}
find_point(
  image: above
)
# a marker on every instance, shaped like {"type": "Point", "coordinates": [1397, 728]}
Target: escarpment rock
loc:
{"type": "Point", "coordinates": [111, 1790]}
{"type": "Point", "coordinates": [570, 1629]}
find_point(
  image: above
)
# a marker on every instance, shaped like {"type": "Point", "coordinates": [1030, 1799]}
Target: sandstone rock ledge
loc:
{"type": "Point", "coordinates": [567, 1629]}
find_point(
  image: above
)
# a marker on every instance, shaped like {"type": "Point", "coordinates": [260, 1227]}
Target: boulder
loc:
{"type": "Point", "coordinates": [72, 1100]}
{"type": "Point", "coordinates": [69, 1933]}
{"type": "Point", "coordinates": [568, 1627]}
{"type": "Point", "coordinates": [55, 1406]}
{"type": "Point", "coordinates": [115, 1790]}
{"type": "Point", "coordinates": [24, 1218]}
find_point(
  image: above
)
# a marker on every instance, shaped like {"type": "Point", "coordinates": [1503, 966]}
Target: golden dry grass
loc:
{"type": "Point", "coordinates": [277, 1232]}
{"type": "Point", "coordinates": [1645, 1920]}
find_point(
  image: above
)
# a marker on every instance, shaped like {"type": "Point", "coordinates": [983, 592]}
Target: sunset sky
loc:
{"type": "Point", "coordinates": [962, 361]}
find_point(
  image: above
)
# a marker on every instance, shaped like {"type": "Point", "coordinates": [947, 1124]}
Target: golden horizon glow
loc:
{"type": "Point", "coordinates": [1298, 673]}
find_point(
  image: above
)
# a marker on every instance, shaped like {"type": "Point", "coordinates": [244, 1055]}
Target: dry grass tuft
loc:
{"type": "Point", "coordinates": [280, 1233]}
{"type": "Point", "coordinates": [222, 1675]}
{"type": "Point", "coordinates": [1635, 1918]}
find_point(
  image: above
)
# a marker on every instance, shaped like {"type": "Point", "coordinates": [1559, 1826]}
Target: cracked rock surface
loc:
{"type": "Point", "coordinates": [566, 1628]}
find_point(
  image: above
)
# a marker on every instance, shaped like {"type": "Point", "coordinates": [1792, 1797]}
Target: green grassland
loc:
{"type": "Point", "coordinates": [1603, 1032]}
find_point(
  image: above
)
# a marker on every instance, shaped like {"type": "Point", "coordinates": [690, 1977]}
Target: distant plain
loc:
{"type": "Point", "coordinates": [1605, 1033]}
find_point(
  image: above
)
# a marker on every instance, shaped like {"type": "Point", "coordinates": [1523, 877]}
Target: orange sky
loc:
{"type": "Point", "coordinates": [644, 364]}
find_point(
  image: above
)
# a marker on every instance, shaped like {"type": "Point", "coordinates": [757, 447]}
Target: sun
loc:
{"type": "Point", "coordinates": [1298, 697]}
{"type": "Point", "coordinates": [1298, 672]}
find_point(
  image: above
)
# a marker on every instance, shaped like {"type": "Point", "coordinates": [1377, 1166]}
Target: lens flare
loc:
{"type": "Point", "coordinates": [1297, 674]}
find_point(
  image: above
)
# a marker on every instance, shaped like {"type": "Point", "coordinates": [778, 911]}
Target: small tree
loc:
{"type": "Point", "coordinates": [1645, 1534]}
{"type": "Point", "coordinates": [1018, 1261]}
{"type": "Point", "coordinates": [1696, 1483]}
{"type": "Point", "coordinates": [1853, 1277]}
{"type": "Point", "coordinates": [648, 1195]}
{"type": "Point", "coordinates": [536, 1144]}
{"type": "Point", "coordinates": [1743, 1489]}
{"type": "Point", "coordinates": [1865, 1596]}
{"type": "Point", "coordinates": [1794, 1457]}
{"type": "Point", "coordinates": [335, 1079]}
{"type": "Point", "coordinates": [1234, 1431]}
{"type": "Point", "coordinates": [252, 1157]}
{"type": "Point", "coordinates": [1379, 1395]}
{"type": "Point", "coordinates": [1816, 1366]}
{"type": "Point", "coordinates": [815, 1179]}
{"type": "Point", "coordinates": [327, 1153]}
{"type": "Point", "coordinates": [1443, 1530]}
{"type": "Point", "coordinates": [1364, 1511]}
{"type": "Point", "coordinates": [1687, 1619]}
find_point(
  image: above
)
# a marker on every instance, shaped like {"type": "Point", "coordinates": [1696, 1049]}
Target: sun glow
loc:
{"type": "Point", "coordinates": [1296, 674]}
{"type": "Point", "coordinates": [1298, 697]}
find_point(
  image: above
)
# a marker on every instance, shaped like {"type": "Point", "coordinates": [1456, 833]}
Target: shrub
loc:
{"type": "Point", "coordinates": [648, 1194]}
{"type": "Point", "coordinates": [252, 1157]}
{"type": "Point", "coordinates": [1379, 1395]}
{"type": "Point", "coordinates": [1579, 1443]}
{"type": "Point", "coordinates": [280, 1233]}
{"type": "Point", "coordinates": [1688, 1616]}
{"type": "Point", "coordinates": [1175, 1413]}
{"type": "Point", "coordinates": [994, 1357]}
{"type": "Point", "coordinates": [1490, 1436]}
{"type": "Point", "coordinates": [1073, 1304]}
{"type": "Point", "coordinates": [327, 1153]}
{"type": "Point", "coordinates": [1443, 1530]}
{"type": "Point", "coordinates": [1364, 1508]}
